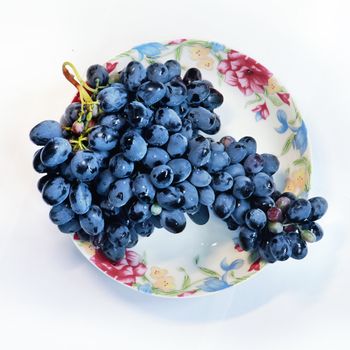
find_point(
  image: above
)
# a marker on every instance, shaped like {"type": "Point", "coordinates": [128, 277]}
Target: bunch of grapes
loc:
{"type": "Point", "coordinates": [131, 156]}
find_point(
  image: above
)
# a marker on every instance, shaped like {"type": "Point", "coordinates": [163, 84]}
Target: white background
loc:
{"type": "Point", "coordinates": [52, 298]}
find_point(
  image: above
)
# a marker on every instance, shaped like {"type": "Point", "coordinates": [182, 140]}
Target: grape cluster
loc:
{"type": "Point", "coordinates": [131, 156]}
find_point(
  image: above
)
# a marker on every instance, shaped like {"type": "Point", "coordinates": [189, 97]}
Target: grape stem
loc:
{"type": "Point", "coordinates": [87, 103]}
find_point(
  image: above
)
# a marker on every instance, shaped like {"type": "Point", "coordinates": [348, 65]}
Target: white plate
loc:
{"type": "Point", "coordinates": [205, 259]}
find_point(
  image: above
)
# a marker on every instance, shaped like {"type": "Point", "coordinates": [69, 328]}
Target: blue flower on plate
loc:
{"type": "Point", "coordinates": [300, 133]}
{"type": "Point", "coordinates": [145, 288]}
{"type": "Point", "coordinates": [213, 284]}
{"type": "Point", "coordinates": [150, 50]}
{"type": "Point", "coordinates": [216, 47]}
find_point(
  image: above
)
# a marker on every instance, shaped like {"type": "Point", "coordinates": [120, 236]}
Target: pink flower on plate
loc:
{"type": "Point", "coordinates": [284, 97]}
{"type": "Point", "coordinates": [244, 72]}
{"type": "Point", "coordinates": [186, 294]}
{"type": "Point", "coordinates": [238, 248]}
{"type": "Point", "coordinates": [255, 266]}
{"type": "Point", "coordinates": [176, 41]}
{"type": "Point", "coordinates": [262, 112]}
{"type": "Point", "coordinates": [111, 66]}
{"type": "Point", "coordinates": [125, 270]}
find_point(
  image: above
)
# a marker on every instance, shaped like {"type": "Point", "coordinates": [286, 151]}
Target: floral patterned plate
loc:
{"type": "Point", "coordinates": [205, 259]}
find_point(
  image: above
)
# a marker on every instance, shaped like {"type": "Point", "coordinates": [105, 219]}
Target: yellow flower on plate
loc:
{"type": "Point", "coordinates": [273, 86]}
{"type": "Point", "coordinates": [206, 63]}
{"type": "Point", "coordinates": [88, 248]}
{"type": "Point", "coordinates": [199, 52]}
{"type": "Point", "coordinates": [297, 181]}
{"type": "Point", "coordinates": [157, 272]}
{"type": "Point", "coordinates": [166, 283]}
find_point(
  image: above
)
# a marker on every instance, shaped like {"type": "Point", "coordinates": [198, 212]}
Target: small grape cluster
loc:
{"type": "Point", "coordinates": [131, 156]}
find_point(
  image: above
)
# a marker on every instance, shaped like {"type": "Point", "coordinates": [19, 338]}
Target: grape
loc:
{"type": "Point", "coordinates": [319, 207]}
{"type": "Point", "coordinates": [222, 181]}
{"type": "Point", "coordinates": [84, 165]}
{"type": "Point", "coordinates": [311, 231]}
{"type": "Point", "coordinates": [214, 129]}
{"type": "Point", "coordinates": [280, 247]}
{"type": "Point", "coordinates": [55, 152]}
{"type": "Point", "coordinates": [170, 198]}
{"type": "Point", "coordinates": [249, 143]}
{"type": "Point", "coordinates": [243, 187]}
{"type": "Point", "coordinates": [133, 238]}
{"type": "Point", "coordinates": [237, 151]}
{"type": "Point", "coordinates": [113, 252]}
{"type": "Point", "coordinates": [193, 74]}
{"type": "Point", "coordinates": [156, 135]}
{"type": "Point", "coordinates": [235, 170]}
{"type": "Point", "coordinates": [255, 219]}
{"type": "Point", "coordinates": [71, 114]}
{"type": "Point", "coordinates": [265, 251]}
{"type": "Point", "coordinates": [133, 146]}
{"type": "Point", "coordinates": [253, 164]}
{"type": "Point", "coordinates": [275, 214]}
{"type": "Point", "coordinates": [206, 195]}
{"type": "Point", "coordinates": [151, 92]}
{"type": "Point", "coordinates": [97, 75]}
{"type": "Point", "coordinates": [191, 196]}
{"type": "Point", "coordinates": [143, 189]}
{"type": "Point", "coordinates": [80, 198]}
{"type": "Point", "coordinates": [224, 205]}
{"type": "Point", "coordinates": [38, 165]}
{"type": "Point", "coordinates": [138, 161]}
{"type": "Point", "coordinates": [201, 118]}
{"type": "Point", "coordinates": [182, 110]}
{"type": "Point", "coordinates": [271, 163]}
{"type": "Point", "coordinates": [120, 167]}
{"type": "Point", "coordinates": [181, 168]}
{"type": "Point", "coordinates": [62, 213]}
{"type": "Point", "coordinates": [199, 153]}
{"type": "Point", "coordinates": [42, 181]}
{"type": "Point", "coordinates": [43, 132]}
{"type": "Point", "coordinates": [177, 145]}
{"type": "Point", "coordinates": [113, 98]}
{"type": "Point", "coordinates": [92, 222]}
{"type": "Point", "coordinates": [139, 211]}
{"type": "Point", "coordinates": [175, 94]}
{"type": "Point", "coordinates": [263, 203]}
{"type": "Point", "coordinates": [120, 192]}
{"type": "Point", "coordinates": [299, 249]}
{"type": "Point", "coordinates": [145, 228]}
{"type": "Point", "coordinates": [218, 161]}
{"type": "Point", "coordinates": [200, 178]}
{"type": "Point", "coordinates": [133, 75]}
{"type": "Point", "coordinates": [55, 190]}
{"type": "Point", "coordinates": [103, 138]}
{"type": "Point", "coordinates": [138, 115]}
{"type": "Point", "coordinates": [197, 92]}
{"type": "Point", "coordinates": [162, 176]}
{"type": "Point", "coordinates": [155, 156]}
{"type": "Point", "coordinates": [214, 99]}
{"type": "Point", "coordinates": [157, 72]}
{"type": "Point", "coordinates": [70, 226]}
{"type": "Point", "coordinates": [174, 221]}
{"type": "Point", "coordinates": [299, 210]}
{"type": "Point", "coordinates": [201, 217]}
{"type": "Point", "coordinates": [113, 121]}
{"type": "Point", "coordinates": [248, 238]}
{"type": "Point", "coordinates": [168, 118]}
{"type": "Point", "coordinates": [227, 140]}
{"type": "Point", "coordinates": [174, 69]}
{"type": "Point", "coordinates": [216, 147]}
{"type": "Point", "coordinates": [263, 184]}
{"type": "Point", "coordinates": [242, 207]}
